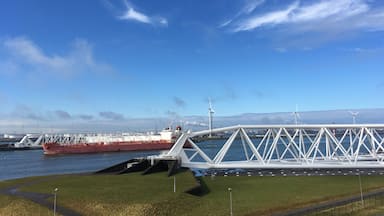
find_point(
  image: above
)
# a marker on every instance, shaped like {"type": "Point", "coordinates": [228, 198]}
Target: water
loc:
{"type": "Point", "coordinates": [18, 164]}
{"type": "Point", "coordinates": [238, 152]}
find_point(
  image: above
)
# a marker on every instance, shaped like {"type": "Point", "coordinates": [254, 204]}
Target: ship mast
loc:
{"type": "Point", "coordinates": [210, 119]}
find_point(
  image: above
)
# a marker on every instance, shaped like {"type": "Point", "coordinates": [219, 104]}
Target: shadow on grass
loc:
{"type": "Point", "coordinates": [200, 189]}
{"type": "Point", "coordinates": [172, 167]}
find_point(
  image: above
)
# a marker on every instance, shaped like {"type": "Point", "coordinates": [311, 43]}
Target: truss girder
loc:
{"type": "Point", "coordinates": [279, 146]}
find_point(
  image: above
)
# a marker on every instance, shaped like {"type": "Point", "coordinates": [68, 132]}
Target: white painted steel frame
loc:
{"type": "Point", "coordinates": [29, 140]}
{"type": "Point", "coordinates": [289, 146]}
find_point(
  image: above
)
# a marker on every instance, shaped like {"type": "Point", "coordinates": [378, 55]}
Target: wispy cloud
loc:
{"type": "Point", "coordinates": [281, 49]}
{"type": "Point", "coordinates": [179, 102]}
{"type": "Point", "coordinates": [134, 15]}
{"type": "Point", "coordinates": [337, 9]}
{"type": "Point", "coordinates": [258, 94]}
{"type": "Point", "coordinates": [271, 18]}
{"type": "Point", "coordinates": [26, 119]}
{"type": "Point", "coordinates": [322, 15]}
{"type": "Point", "coordinates": [171, 113]}
{"type": "Point", "coordinates": [23, 51]}
{"type": "Point", "coordinates": [85, 117]}
{"type": "Point", "coordinates": [312, 117]}
{"type": "Point", "coordinates": [111, 115]}
{"type": "Point", "coordinates": [249, 7]}
{"type": "Point", "coordinates": [227, 94]}
{"type": "Point", "coordinates": [62, 114]}
{"type": "Point", "coordinates": [25, 112]}
{"type": "Point", "coordinates": [365, 50]}
{"type": "Point", "coordinates": [172, 116]}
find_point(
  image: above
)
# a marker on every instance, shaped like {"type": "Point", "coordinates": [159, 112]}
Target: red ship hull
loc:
{"type": "Point", "coordinates": [83, 148]}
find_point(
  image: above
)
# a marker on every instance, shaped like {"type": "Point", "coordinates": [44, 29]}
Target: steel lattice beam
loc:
{"type": "Point", "coordinates": [286, 146]}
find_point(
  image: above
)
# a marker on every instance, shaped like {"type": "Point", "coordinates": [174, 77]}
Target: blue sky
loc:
{"type": "Point", "coordinates": [115, 59]}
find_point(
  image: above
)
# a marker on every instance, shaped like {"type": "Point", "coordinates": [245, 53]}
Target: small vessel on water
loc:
{"type": "Point", "coordinates": [95, 143]}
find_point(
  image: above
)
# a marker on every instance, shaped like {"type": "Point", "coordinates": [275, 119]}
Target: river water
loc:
{"type": "Point", "coordinates": [18, 164]}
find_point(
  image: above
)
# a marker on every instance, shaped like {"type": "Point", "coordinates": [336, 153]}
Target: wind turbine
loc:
{"type": "Point", "coordinates": [354, 114]}
{"type": "Point", "coordinates": [296, 115]}
{"type": "Point", "coordinates": [210, 113]}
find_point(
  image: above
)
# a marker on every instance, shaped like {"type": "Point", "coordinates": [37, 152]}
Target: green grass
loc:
{"type": "Point", "coordinates": [8, 183]}
{"type": "Point", "coordinates": [378, 210]}
{"type": "Point", "coordinates": [264, 195]}
{"type": "Point", "coordinates": [10, 206]}
{"type": "Point", "coordinates": [134, 194]}
{"type": "Point", "coordinates": [115, 194]}
{"type": "Point", "coordinates": [372, 206]}
{"type": "Point", "coordinates": [259, 195]}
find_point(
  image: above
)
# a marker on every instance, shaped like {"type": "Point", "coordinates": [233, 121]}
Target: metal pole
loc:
{"type": "Point", "coordinates": [230, 202]}
{"type": "Point", "coordinates": [54, 201]}
{"type": "Point", "coordinates": [361, 192]}
{"type": "Point", "coordinates": [210, 123]}
{"type": "Point", "coordinates": [210, 112]}
{"type": "Point", "coordinates": [174, 184]}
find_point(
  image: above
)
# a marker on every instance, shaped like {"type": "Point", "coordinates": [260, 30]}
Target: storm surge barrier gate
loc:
{"type": "Point", "coordinates": [282, 146]}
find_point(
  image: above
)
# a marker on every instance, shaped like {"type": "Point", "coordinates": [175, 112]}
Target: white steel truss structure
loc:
{"type": "Point", "coordinates": [282, 146]}
{"type": "Point", "coordinates": [29, 140]}
{"type": "Point", "coordinates": [35, 140]}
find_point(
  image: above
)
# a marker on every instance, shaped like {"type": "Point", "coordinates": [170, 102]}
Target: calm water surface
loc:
{"type": "Point", "coordinates": [18, 164]}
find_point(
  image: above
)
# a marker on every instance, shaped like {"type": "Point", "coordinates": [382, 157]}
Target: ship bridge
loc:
{"type": "Point", "coordinates": [281, 146]}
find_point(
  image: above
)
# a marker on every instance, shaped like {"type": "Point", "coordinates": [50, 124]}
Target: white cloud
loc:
{"type": "Point", "coordinates": [31, 53]}
{"type": "Point", "coordinates": [225, 23]}
{"type": "Point", "coordinates": [163, 21]}
{"type": "Point", "coordinates": [374, 21]}
{"type": "Point", "coordinates": [318, 16]}
{"type": "Point", "coordinates": [133, 14]}
{"type": "Point", "coordinates": [249, 7]}
{"type": "Point", "coordinates": [22, 51]}
{"type": "Point", "coordinates": [271, 18]}
{"type": "Point", "coordinates": [335, 9]}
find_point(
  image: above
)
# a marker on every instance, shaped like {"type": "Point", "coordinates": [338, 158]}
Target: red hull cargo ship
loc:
{"type": "Point", "coordinates": [96, 143]}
